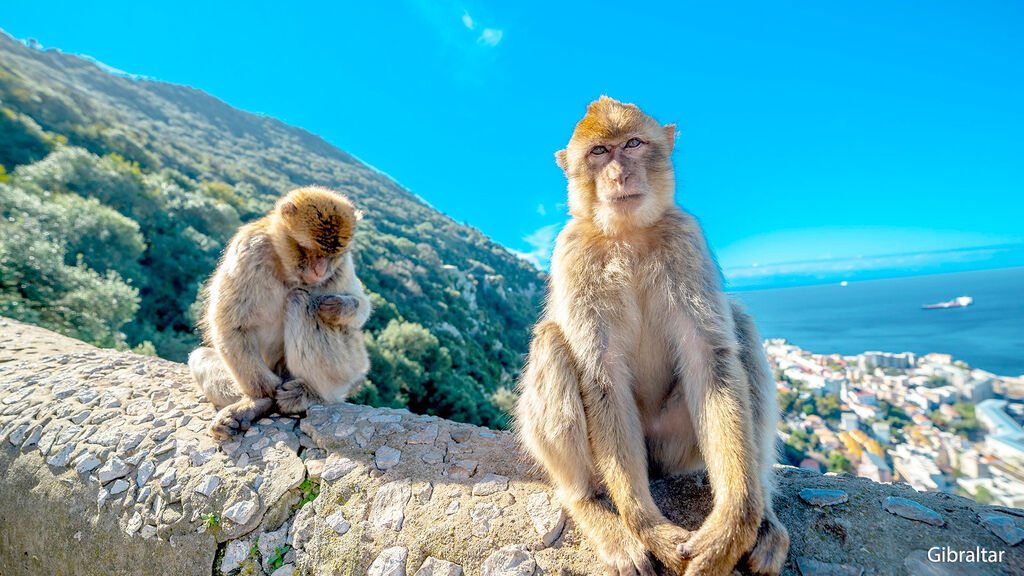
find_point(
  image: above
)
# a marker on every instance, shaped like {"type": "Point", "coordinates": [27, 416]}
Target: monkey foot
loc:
{"type": "Point", "coordinates": [292, 397]}
{"type": "Point", "coordinates": [769, 552]}
{"type": "Point", "coordinates": [627, 558]}
{"type": "Point", "coordinates": [237, 417]}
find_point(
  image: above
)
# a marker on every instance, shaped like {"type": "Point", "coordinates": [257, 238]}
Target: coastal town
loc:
{"type": "Point", "coordinates": [930, 421]}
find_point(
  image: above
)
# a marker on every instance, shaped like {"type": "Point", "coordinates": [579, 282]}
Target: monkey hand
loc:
{"type": "Point", "coordinates": [666, 541]}
{"type": "Point", "coordinates": [336, 309]}
{"type": "Point", "coordinates": [625, 556]}
{"type": "Point", "coordinates": [263, 385]}
{"type": "Point", "coordinates": [292, 397]}
{"type": "Point", "coordinates": [717, 546]}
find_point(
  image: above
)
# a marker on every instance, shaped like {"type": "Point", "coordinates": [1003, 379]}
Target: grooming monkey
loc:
{"type": "Point", "coordinates": [640, 363]}
{"type": "Point", "coordinates": [284, 313]}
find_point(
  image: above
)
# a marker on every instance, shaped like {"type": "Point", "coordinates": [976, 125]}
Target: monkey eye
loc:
{"type": "Point", "coordinates": [598, 150]}
{"type": "Point", "coordinates": [633, 143]}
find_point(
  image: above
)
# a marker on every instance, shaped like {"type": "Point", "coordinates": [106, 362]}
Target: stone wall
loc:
{"type": "Point", "coordinates": [106, 468]}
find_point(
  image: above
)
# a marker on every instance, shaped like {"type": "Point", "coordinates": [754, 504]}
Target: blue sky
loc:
{"type": "Point", "coordinates": [817, 141]}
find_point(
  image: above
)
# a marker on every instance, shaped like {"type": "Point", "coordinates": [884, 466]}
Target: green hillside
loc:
{"type": "Point", "coordinates": [117, 196]}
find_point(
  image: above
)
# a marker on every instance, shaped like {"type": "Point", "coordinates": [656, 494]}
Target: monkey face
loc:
{"type": "Point", "coordinates": [619, 166]}
{"type": "Point", "coordinates": [320, 225]}
{"type": "Point", "coordinates": [620, 176]}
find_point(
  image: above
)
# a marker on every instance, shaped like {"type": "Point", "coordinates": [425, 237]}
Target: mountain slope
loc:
{"type": "Point", "coordinates": [170, 172]}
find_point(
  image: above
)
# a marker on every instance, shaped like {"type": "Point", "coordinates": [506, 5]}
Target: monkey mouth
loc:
{"type": "Point", "coordinates": [626, 198]}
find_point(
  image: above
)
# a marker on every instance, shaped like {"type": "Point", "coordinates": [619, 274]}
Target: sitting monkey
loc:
{"type": "Point", "coordinates": [640, 362]}
{"type": "Point", "coordinates": [284, 314]}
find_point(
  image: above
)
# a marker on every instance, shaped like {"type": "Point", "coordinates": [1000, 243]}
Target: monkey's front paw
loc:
{"type": "Point", "coordinates": [336, 308]}
{"type": "Point", "coordinates": [226, 424]}
{"type": "Point", "coordinates": [264, 386]}
{"type": "Point", "coordinates": [298, 296]}
{"type": "Point", "coordinates": [627, 557]}
{"type": "Point", "coordinates": [292, 397]}
{"type": "Point", "coordinates": [667, 543]}
{"type": "Point", "coordinates": [715, 549]}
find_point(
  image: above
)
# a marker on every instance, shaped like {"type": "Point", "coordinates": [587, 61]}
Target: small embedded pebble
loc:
{"type": "Point", "coordinates": [390, 562]}
{"type": "Point", "coordinates": [819, 497]}
{"type": "Point", "coordinates": [387, 457]}
{"type": "Point", "coordinates": [912, 510]}
{"type": "Point", "coordinates": [337, 466]}
{"type": "Point", "coordinates": [234, 554]}
{"type": "Point", "coordinates": [548, 518]}
{"type": "Point", "coordinates": [240, 512]}
{"type": "Point", "coordinates": [208, 485]}
{"type": "Point", "coordinates": [513, 560]}
{"type": "Point", "coordinates": [490, 484]}
{"type": "Point", "coordinates": [433, 457]}
{"type": "Point", "coordinates": [201, 457]}
{"type": "Point", "coordinates": [61, 458]}
{"type": "Point", "coordinates": [1004, 527]}
{"type": "Point", "coordinates": [86, 463]}
{"type": "Point", "coordinates": [425, 436]}
{"type": "Point", "coordinates": [120, 485]}
{"type": "Point", "coordinates": [134, 524]}
{"type": "Point", "coordinates": [462, 469]}
{"type": "Point", "coordinates": [314, 467]}
{"type": "Point", "coordinates": [145, 472]}
{"type": "Point", "coordinates": [338, 523]}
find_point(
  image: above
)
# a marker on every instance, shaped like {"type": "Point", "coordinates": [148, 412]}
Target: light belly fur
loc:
{"type": "Point", "coordinates": [659, 386]}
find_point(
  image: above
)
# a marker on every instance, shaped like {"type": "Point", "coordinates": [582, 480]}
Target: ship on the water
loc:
{"type": "Point", "coordinates": [954, 303]}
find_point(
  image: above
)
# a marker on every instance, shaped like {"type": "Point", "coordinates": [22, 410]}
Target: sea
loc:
{"type": "Point", "coordinates": [886, 315]}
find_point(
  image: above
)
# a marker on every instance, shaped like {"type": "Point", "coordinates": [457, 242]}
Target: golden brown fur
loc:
{"type": "Point", "coordinates": [640, 363]}
{"type": "Point", "coordinates": [284, 313]}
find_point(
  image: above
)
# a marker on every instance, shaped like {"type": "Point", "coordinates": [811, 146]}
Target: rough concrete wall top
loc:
{"type": "Point", "coordinates": [106, 468]}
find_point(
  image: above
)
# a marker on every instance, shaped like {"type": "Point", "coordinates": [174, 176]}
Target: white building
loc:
{"type": "Point", "coordinates": [918, 468]}
{"type": "Point", "coordinates": [874, 467]}
{"type": "Point", "coordinates": [1006, 438]}
{"type": "Point", "coordinates": [903, 360]}
{"type": "Point", "coordinates": [977, 389]}
{"type": "Point", "coordinates": [849, 422]}
{"type": "Point", "coordinates": [881, 431]}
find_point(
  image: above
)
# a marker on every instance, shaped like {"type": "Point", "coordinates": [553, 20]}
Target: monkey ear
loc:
{"type": "Point", "coordinates": [562, 159]}
{"type": "Point", "coordinates": [289, 209]}
{"type": "Point", "coordinates": [670, 133]}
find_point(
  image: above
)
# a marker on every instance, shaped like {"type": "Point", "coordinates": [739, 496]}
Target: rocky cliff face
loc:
{"type": "Point", "coordinates": [106, 468]}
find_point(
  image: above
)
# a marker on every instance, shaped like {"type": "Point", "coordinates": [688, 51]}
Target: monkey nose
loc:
{"type": "Point", "coordinates": [617, 175]}
{"type": "Point", "coordinates": [316, 271]}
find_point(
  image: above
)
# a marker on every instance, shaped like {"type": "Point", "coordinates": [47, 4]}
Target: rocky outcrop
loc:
{"type": "Point", "coordinates": [106, 468]}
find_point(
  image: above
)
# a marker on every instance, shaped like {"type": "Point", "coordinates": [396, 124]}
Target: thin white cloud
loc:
{"type": "Point", "coordinates": [542, 241]}
{"type": "Point", "coordinates": [541, 210]}
{"type": "Point", "coordinates": [490, 37]}
{"type": "Point", "coordinates": [467, 21]}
